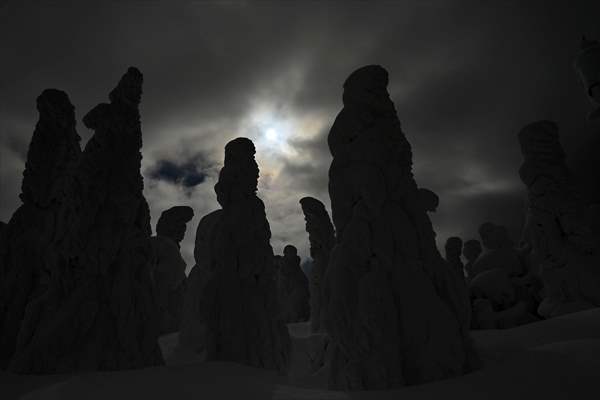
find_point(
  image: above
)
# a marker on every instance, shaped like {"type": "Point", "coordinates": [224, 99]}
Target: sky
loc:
{"type": "Point", "coordinates": [465, 76]}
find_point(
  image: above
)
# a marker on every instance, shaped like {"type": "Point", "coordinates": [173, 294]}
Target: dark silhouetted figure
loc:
{"type": "Point", "coordinates": [3, 229]}
{"type": "Point", "coordinates": [564, 252]}
{"type": "Point", "coordinates": [322, 239]}
{"type": "Point", "coordinates": [471, 251]}
{"type": "Point", "coordinates": [98, 312]}
{"type": "Point", "coordinates": [292, 286]}
{"type": "Point", "coordinates": [499, 252]}
{"type": "Point", "coordinates": [168, 271]}
{"type": "Point", "coordinates": [51, 161]}
{"type": "Point", "coordinates": [231, 306]}
{"type": "Point", "coordinates": [3, 251]}
{"type": "Point", "coordinates": [453, 249]}
{"type": "Point", "coordinates": [277, 260]}
{"type": "Point", "coordinates": [587, 65]}
{"type": "Point", "coordinates": [498, 303]}
{"type": "Point", "coordinates": [429, 200]}
{"type": "Point", "coordinates": [172, 223]}
{"type": "Point", "coordinates": [396, 313]}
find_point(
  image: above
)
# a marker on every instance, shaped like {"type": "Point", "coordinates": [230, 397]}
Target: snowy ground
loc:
{"type": "Point", "coordinates": [554, 359]}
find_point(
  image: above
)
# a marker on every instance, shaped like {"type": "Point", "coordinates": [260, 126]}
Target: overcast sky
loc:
{"type": "Point", "coordinates": [464, 76]}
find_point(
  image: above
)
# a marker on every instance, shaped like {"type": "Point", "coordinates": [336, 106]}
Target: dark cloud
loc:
{"type": "Point", "coordinates": [187, 173]}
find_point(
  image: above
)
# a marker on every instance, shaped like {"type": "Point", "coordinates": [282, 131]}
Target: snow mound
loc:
{"type": "Point", "coordinates": [552, 359]}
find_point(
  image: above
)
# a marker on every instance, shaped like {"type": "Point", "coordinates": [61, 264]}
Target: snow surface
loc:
{"type": "Point", "coordinates": [552, 359]}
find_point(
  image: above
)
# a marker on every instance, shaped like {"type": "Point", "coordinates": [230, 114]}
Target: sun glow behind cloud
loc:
{"type": "Point", "coordinates": [274, 122]}
{"type": "Point", "coordinates": [270, 129]}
